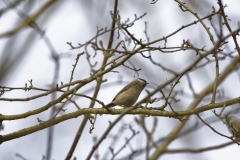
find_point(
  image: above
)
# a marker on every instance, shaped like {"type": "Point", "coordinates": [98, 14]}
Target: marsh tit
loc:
{"type": "Point", "coordinates": [129, 94]}
{"type": "Point", "coordinates": [234, 127]}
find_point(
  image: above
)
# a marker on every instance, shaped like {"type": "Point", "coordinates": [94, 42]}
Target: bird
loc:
{"type": "Point", "coordinates": [129, 94]}
{"type": "Point", "coordinates": [234, 127]}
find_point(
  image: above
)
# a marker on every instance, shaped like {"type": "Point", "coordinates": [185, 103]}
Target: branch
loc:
{"type": "Point", "coordinates": [190, 150]}
{"type": "Point", "coordinates": [29, 20]}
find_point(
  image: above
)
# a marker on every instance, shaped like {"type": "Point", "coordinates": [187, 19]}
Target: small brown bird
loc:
{"type": "Point", "coordinates": [234, 127]}
{"type": "Point", "coordinates": [129, 94]}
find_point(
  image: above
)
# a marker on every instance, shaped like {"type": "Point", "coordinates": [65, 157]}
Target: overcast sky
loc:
{"type": "Point", "coordinates": [75, 21]}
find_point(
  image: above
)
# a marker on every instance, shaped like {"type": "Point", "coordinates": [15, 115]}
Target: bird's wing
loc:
{"type": "Point", "coordinates": [124, 89]}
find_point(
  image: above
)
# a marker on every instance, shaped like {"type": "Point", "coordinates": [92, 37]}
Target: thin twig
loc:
{"type": "Point", "coordinates": [215, 130]}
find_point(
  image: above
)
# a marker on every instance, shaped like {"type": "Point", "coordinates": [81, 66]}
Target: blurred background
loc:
{"type": "Point", "coordinates": [43, 56]}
